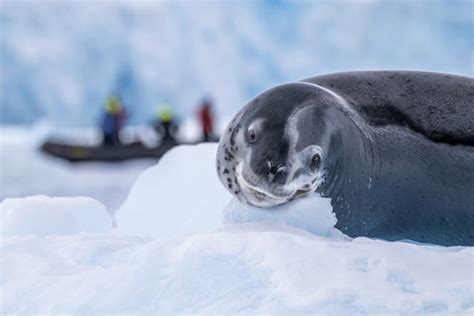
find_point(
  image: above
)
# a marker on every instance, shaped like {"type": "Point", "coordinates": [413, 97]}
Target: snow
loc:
{"type": "Point", "coordinates": [25, 171]}
{"type": "Point", "coordinates": [32, 172]}
{"type": "Point", "coordinates": [180, 195]}
{"type": "Point", "coordinates": [243, 268]}
{"type": "Point", "coordinates": [313, 214]}
{"type": "Point", "coordinates": [42, 215]}
{"type": "Point", "coordinates": [183, 246]}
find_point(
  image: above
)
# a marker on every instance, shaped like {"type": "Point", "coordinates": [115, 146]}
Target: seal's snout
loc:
{"type": "Point", "coordinates": [277, 173]}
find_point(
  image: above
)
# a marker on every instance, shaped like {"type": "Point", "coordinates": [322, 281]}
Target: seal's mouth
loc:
{"type": "Point", "coordinates": [300, 193]}
{"type": "Point", "coordinates": [258, 196]}
{"type": "Point", "coordinates": [259, 192]}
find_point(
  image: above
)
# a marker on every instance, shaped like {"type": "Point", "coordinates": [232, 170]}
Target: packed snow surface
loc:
{"type": "Point", "coordinates": [242, 268]}
{"type": "Point", "coordinates": [313, 214]}
{"type": "Point", "coordinates": [41, 215]}
{"type": "Point", "coordinates": [287, 260]}
{"type": "Point", "coordinates": [181, 194]}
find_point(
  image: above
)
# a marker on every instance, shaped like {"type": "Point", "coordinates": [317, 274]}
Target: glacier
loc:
{"type": "Point", "coordinates": [60, 60]}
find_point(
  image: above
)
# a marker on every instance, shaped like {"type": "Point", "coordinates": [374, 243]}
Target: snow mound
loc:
{"type": "Point", "coordinates": [313, 214]}
{"type": "Point", "coordinates": [250, 268]}
{"type": "Point", "coordinates": [42, 215]}
{"type": "Point", "coordinates": [180, 195]}
{"type": "Point", "coordinates": [287, 260]}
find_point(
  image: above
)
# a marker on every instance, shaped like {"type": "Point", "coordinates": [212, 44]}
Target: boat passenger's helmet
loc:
{"type": "Point", "coordinates": [113, 105]}
{"type": "Point", "coordinates": [165, 113]}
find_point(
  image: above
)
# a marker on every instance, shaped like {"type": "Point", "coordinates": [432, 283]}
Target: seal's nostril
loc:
{"type": "Point", "coordinates": [279, 173]}
{"type": "Point", "coordinates": [273, 170]}
{"type": "Point", "coordinates": [281, 169]}
{"type": "Point", "coordinates": [269, 164]}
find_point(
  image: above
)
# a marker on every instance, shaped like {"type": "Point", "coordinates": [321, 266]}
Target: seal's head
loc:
{"type": "Point", "coordinates": [274, 149]}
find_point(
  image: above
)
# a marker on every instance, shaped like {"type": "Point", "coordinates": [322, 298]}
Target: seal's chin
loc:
{"type": "Point", "coordinates": [260, 197]}
{"type": "Point", "coordinates": [301, 193]}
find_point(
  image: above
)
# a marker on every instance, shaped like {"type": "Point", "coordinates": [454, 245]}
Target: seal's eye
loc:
{"type": "Point", "coordinates": [315, 162]}
{"type": "Point", "coordinates": [252, 135]}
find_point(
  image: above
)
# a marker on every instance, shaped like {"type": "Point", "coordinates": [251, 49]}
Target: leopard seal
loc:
{"type": "Point", "coordinates": [394, 150]}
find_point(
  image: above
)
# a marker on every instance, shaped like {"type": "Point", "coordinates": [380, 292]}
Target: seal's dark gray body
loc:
{"type": "Point", "coordinates": [440, 106]}
{"type": "Point", "coordinates": [421, 176]}
{"type": "Point", "coordinates": [397, 151]}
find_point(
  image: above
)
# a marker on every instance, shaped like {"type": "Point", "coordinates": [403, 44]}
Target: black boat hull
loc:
{"type": "Point", "coordinates": [81, 153]}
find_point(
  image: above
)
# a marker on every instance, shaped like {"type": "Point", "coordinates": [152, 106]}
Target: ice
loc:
{"type": "Point", "coordinates": [175, 252]}
{"type": "Point", "coordinates": [180, 195]}
{"type": "Point", "coordinates": [42, 215]}
{"type": "Point", "coordinates": [249, 269]}
{"type": "Point", "coordinates": [312, 213]}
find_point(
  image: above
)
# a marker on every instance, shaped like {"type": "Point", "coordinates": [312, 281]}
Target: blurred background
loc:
{"type": "Point", "coordinates": [99, 81]}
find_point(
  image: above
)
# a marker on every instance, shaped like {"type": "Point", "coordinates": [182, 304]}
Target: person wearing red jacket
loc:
{"type": "Point", "coordinates": [206, 119]}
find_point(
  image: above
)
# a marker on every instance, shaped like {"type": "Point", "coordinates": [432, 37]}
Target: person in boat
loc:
{"type": "Point", "coordinates": [165, 124]}
{"type": "Point", "coordinates": [206, 119]}
{"type": "Point", "coordinates": [113, 121]}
